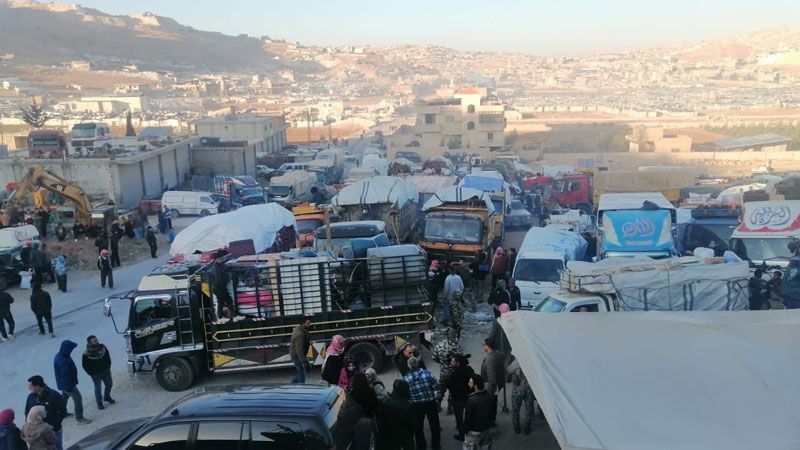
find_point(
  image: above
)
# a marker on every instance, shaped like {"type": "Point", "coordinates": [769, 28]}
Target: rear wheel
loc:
{"type": "Point", "coordinates": [204, 213]}
{"type": "Point", "coordinates": [175, 374]}
{"type": "Point", "coordinates": [367, 356]}
{"type": "Point", "coordinates": [174, 213]}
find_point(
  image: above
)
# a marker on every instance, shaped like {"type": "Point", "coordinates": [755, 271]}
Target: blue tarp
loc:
{"type": "Point", "coordinates": [483, 183]}
{"type": "Point", "coordinates": [637, 231]}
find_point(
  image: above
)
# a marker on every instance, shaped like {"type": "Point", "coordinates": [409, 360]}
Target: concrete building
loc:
{"type": "Point", "coordinates": [135, 101]}
{"type": "Point", "coordinates": [92, 106]}
{"type": "Point", "coordinates": [125, 179]}
{"type": "Point", "coordinates": [267, 133]}
{"type": "Point", "coordinates": [221, 157]}
{"type": "Point", "coordinates": [768, 142]}
{"type": "Point", "coordinates": [470, 120]}
{"type": "Point", "coordinates": [657, 139]}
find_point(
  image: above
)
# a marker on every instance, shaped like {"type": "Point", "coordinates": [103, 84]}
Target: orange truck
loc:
{"type": "Point", "coordinates": [459, 224]}
{"type": "Point", "coordinates": [308, 217]}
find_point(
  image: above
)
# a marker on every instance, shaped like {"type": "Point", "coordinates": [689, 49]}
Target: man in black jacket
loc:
{"type": "Point", "coordinates": [42, 307]}
{"type": "Point", "coordinates": [53, 402]}
{"type": "Point", "coordinates": [515, 295]}
{"type": "Point", "coordinates": [97, 363]}
{"type": "Point", "coordinates": [105, 268]}
{"type": "Point", "coordinates": [5, 316]}
{"type": "Point", "coordinates": [480, 416]}
{"type": "Point", "coordinates": [400, 359]}
{"type": "Point", "coordinates": [396, 420]}
{"type": "Point", "coordinates": [458, 384]}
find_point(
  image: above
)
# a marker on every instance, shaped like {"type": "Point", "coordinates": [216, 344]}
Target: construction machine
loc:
{"type": "Point", "coordinates": [42, 183]}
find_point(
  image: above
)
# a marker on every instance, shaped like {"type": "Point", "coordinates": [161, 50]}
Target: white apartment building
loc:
{"type": "Point", "coordinates": [267, 132]}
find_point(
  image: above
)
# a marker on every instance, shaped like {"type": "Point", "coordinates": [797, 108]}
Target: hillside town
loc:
{"type": "Point", "coordinates": [252, 242]}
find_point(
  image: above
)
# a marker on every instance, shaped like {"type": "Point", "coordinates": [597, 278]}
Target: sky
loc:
{"type": "Point", "coordinates": [539, 27]}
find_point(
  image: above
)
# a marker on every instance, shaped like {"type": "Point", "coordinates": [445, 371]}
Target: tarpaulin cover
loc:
{"type": "Point", "coordinates": [483, 182]}
{"type": "Point", "coordinates": [261, 223]}
{"type": "Point", "coordinates": [15, 236]}
{"type": "Point", "coordinates": [567, 242]}
{"type": "Point", "coordinates": [377, 190]}
{"type": "Point", "coordinates": [430, 184]}
{"type": "Point", "coordinates": [456, 194]}
{"type": "Point", "coordinates": [663, 380]}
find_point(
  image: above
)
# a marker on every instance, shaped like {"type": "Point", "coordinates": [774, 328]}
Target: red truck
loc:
{"type": "Point", "coordinates": [47, 144]}
{"type": "Point", "coordinates": [571, 190]}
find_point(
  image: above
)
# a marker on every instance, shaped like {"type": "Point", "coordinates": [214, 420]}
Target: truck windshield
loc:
{"type": "Point", "coordinates": [538, 270]}
{"type": "Point", "coordinates": [722, 231]}
{"type": "Point", "coordinates": [453, 229]}
{"type": "Point", "coordinates": [761, 249]}
{"type": "Point", "coordinates": [308, 225]}
{"type": "Point", "coordinates": [147, 310]}
{"type": "Point", "coordinates": [252, 192]}
{"type": "Point", "coordinates": [43, 141]}
{"type": "Point", "coordinates": [550, 305]}
{"type": "Point", "coordinates": [83, 132]}
{"type": "Point", "coordinates": [280, 191]}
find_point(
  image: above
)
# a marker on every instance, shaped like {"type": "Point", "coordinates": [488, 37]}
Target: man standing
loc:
{"type": "Point", "coordinates": [493, 368]}
{"type": "Point", "coordinates": [106, 272]}
{"type": "Point", "coordinates": [298, 349]}
{"type": "Point", "coordinates": [61, 273]}
{"type": "Point", "coordinates": [5, 316]}
{"type": "Point", "coordinates": [458, 384]}
{"type": "Point", "coordinates": [42, 307]}
{"type": "Point", "coordinates": [498, 296]}
{"type": "Point", "coordinates": [480, 416]}
{"type": "Point", "coordinates": [521, 395]}
{"type": "Point", "coordinates": [400, 359]}
{"type": "Point", "coordinates": [453, 287]}
{"type": "Point", "coordinates": [42, 395]}
{"type": "Point", "coordinates": [97, 363]}
{"type": "Point", "coordinates": [396, 421]}
{"type": "Point", "coordinates": [67, 379]}
{"type": "Point", "coordinates": [515, 296]}
{"type": "Point", "coordinates": [116, 235]}
{"type": "Point", "coordinates": [423, 386]}
{"type": "Point", "coordinates": [151, 241]}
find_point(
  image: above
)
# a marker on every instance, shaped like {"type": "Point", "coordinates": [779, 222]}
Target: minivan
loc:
{"type": "Point", "coordinates": [295, 416]}
{"type": "Point", "coordinates": [189, 203]}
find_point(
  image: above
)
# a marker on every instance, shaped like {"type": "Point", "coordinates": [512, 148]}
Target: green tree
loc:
{"type": "Point", "coordinates": [33, 115]}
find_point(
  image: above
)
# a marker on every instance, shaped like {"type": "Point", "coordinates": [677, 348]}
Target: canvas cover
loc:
{"type": "Point", "coordinates": [377, 190]}
{"type": "Point", "coordinates": [569, 243]}
{"type": "Point", "coordinates": [261, 223]}
{"type": "Point", "coordinates": [430, 184]}
{"type": "Point", "coordinates": [457, 194]}
{"type": "Point", "coordinates": [663, 380]}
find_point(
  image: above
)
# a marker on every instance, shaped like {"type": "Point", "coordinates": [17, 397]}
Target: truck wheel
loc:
{"type": "Point", "coordinates": [367, 356]}
{"type": "Point", "coordinates": [174, 213]}
{"type": "Point", "coordinates": [175, 374]}
{"type": "Point", "coordinates": [204, 213]}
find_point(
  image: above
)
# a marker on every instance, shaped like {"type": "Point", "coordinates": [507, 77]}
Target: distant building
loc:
{"type": "Point", "coordinates": [769, 142]}
{"type": "Point", "coordinates": [218, 156]}
{"type": "Point", "coordinates": [135, 102]}
{"type": "Point", "coordinates": [268, 133]}
{"type": "Point", "coordinates": [470, 120]}
{"type": "Point", "coordinates": [92, 106]}
{"type": "Point", "coordinates": [657, 139]}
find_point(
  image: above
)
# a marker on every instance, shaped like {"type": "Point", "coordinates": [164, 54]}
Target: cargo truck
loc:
{"type": "Point", "coordinates": [388, 199]}
{"type": "Point", "coordinates": [291, 188]}
{"type": "Point", "coordinates": [494, 184]}
{"type": "Point", "coordinates": [378, 303]}
{"type": "Point", "coordinates": [634, 224]}
{"type": "Point", "coordinates": [766, 232]}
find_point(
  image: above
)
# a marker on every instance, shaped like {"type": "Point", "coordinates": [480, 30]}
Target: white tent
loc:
{"type": "Point", "coordinates": [260, 223]}
{"type": "Point", "coordinates": [454, 194]}
{"type": "Point", "coordinates": [375, 190]}
{"type": "Point", "coordinates": [663, 380]}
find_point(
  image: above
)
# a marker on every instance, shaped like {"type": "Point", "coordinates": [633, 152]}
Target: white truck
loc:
{"type": "Point", "coordinates": [293, 187]}
{"type": "Point", "coordinates": [644, 284]}
{"type": "Point", "coordinates": [544, 253]}
{"type": "Point", "coordinates": [765, 232]}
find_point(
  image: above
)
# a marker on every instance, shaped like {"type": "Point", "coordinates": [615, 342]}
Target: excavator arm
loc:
{"type": "Point", "coordinates": [39, 177]}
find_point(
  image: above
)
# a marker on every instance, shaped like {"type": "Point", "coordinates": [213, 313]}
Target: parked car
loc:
{"type": "Point", "coordinates": [518, 216]}
{"type": "Point", "coordinates": [296, 416]}
{"type": "Point", "coordinates": [189, 203]}
{"type": "Point", "coordinates": [263, 171]}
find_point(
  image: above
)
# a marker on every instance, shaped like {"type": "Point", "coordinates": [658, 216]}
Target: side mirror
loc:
{"type": "Point", "coordinates": [107, 307]}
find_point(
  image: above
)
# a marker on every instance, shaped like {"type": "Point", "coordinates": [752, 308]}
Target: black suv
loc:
{"type": "Point", "coordinates": [240, 417]}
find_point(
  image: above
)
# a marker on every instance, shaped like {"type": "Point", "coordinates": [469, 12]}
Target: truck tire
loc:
{"type": "Point", "coordinates": [175, 374]}
{"type": "Point", "coordinates": [367, 356]}
{"type": "Point", "coordinates": [174, 213]}
{"type": "Point", "coordinates": [205, 213]}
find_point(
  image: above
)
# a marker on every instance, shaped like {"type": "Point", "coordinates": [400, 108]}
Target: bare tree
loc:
{"type": "Point", "coordinates": [34, 115]}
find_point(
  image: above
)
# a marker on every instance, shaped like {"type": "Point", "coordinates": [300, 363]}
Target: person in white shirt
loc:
{"type": "Point", "coordinates": [453, 286]}
{"type": "Point", "coordinates": [584, 222]}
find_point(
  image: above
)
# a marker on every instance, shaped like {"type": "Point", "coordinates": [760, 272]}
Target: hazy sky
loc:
{"type": "Point", "coordinates": [542, 27]}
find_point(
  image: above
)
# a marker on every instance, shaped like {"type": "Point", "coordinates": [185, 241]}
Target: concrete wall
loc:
{"type": "Point", "coordinates": [224, 161]}
{"type": "Point", "coordinates": [130, 184]}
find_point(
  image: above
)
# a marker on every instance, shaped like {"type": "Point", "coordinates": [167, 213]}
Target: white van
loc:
{"type": "Point", "coordinates": [189, 203]}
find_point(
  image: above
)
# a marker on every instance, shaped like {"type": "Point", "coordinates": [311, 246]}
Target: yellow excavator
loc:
{"type": "Point", "coordinates": [41, 184]}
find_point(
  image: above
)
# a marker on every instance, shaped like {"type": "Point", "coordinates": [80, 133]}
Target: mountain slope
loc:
{"type": "Point", "coordinates": [40, 33]}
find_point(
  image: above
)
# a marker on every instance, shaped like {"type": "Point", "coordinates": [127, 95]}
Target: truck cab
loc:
{"type": "Point", "coordinates": [573, 190]}
{"type": "Point", "coordinates": [565, 301]}
{"type": "Point", "coordinates": [90, 136]}
{"type": "Point", "coordinates": [635, 224]}
{"type": "Point", "coordinates": [47, 144]}
{"type": "Point", "coordinates": [767, 230]}
{"type": "Point", "coordinates": [536, 273]}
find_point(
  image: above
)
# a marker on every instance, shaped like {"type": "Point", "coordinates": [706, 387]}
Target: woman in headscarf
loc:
{"type": "Point", "coordinates": [499, 266]}
{"type": "Point", "coordinates": [376, 384]}
{"type": "Point", "coordinates": [349, 370]}
{"type": "Point", "coordinates": [36, 432]}
{"type": "Point", "coordinates": [10, 438]}
{"type": "Point", "coordinates": [334, 358]}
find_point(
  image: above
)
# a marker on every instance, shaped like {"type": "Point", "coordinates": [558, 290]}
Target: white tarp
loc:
{"type": "Point", "coordinates": [377, 190]}
{"type": "Point", "coordinates": [457, 194]}
{"type": "Point", "coordinates": [567, 242]}
{"type": "Point", "coordinates": [260, 223]}
{"type": "Point", "coordinates": [15, 236]}
{"type": "Point", "coordinates": [734, 194]}
{"type": "Point", "coordinates": [658, 380]}
{"type": "Point", "coordinates": [430, 184]}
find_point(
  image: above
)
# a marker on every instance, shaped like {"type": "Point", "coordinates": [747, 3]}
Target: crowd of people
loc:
{"type": "Point", "coordinates": [46, 408]}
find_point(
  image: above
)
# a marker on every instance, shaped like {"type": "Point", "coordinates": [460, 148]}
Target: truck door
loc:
{"type": "Point", "coordinates": [153, 323]}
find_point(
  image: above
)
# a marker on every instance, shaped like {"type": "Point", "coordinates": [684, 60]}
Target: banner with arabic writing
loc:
{"type": "Point", "coordinates": [637, 231]}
